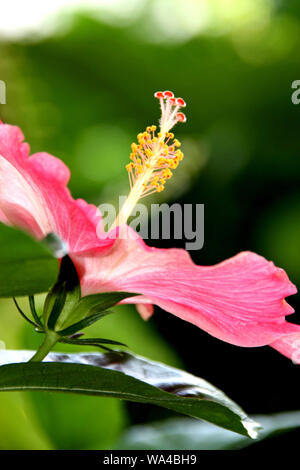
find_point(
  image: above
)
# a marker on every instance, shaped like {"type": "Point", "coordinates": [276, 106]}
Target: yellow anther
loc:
{"type": "Point", "coordinates": [167, 173]}
{"type": "Point", "coordinates": [153, 158]}
{"type": "Point", "coordinates": [179, 154]}
{"type": "Point", "coordinates": [149, 153]}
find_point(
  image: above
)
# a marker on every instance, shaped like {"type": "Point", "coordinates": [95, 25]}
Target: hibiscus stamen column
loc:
{"type": "Point", "coordinates": [154, 156]}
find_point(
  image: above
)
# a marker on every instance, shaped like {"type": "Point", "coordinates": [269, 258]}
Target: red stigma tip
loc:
{"type": "Point", "coordinates": [159, 94]}
{"type": "Point", "coordinates": [173, 101]}
{"type": "Point", "coordinates": [168, 94]}
{"type": "Point", "coordinates": [180, 102]}
{"type": "Point", "coordinates": [181, 117]}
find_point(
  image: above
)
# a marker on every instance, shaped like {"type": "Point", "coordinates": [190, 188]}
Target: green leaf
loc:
{"type": "Point", "coordinates": [27, 266]}
{"type": "Point", "coordinates": [125, 376]}
{"type": "Point", "coordinates": [190, 434]}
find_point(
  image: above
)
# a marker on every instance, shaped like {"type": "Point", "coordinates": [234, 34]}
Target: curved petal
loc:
{"type": "Point", "coordinates": [145, 310]}
{"type": "Point", "coordinates": [289, 346]}
{"type": "Point", "coordinates": [34, 196]}
{"type": "Point", "coordinates": [240, 300]}
{"type": "Point", "coordinates": [3, 218]}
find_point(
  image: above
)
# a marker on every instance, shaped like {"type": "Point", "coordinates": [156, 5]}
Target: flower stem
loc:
{"type": "Point", "coordinates": [50, 340]}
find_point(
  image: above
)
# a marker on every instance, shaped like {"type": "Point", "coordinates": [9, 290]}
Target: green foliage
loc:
{"type": "Point", "coordinates": [189, 434]}
{"type": "Point", "coordinates": [76, 421]}
{"type": "Point", "coordinates": [26, 266]}
{"type": "Point", "coordinates": [129, 377]}
{"type": "Point", "coordinates": [20, 426]}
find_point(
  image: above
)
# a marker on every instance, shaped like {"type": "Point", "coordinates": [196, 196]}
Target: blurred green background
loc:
{"type": "Point", "coordinates": [80, 85]}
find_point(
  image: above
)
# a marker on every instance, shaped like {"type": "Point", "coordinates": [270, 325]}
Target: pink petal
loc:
{"type": "Point", "coordinates": [20, 202]}
{"type": "Point", "coordinates": [145, 310]}
{"type": "Point", "coordinates": [46, 165]}
{"type": "Point", "coordinates": [3, 218]}
{"type": "Point", "coordinates": [34, 196]}
{"type": "Point", "coordinates": [11, 143]}
{"type": "Point", "coordinates": [240, 300]}
{"type": "Point", "coordinates": [289, 346]}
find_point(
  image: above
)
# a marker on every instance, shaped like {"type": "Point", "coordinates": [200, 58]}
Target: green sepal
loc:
{"type": "Point", "coordinates": [96, 302]}
{"type": "Point", "coordinates": [68, 274]}
{"type": "Point", "coordinates": [96, 342]}
{"type": "Point", "coordinates": [59, 294]}
{"type": "Point", "coordinates": [66, 312]}
{"type": "Point", "coordinates": [34, 312]}
{"type": "Point", "coordinates": [92, 341]}
{"type": "Point", "coordinates": [63, 297]}
{"type": "Point", "coordinates": [23, 314]}
{"type": "Point", "coordinates": [82, 323]}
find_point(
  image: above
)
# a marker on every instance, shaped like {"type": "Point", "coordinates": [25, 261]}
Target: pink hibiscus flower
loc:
{"type": "Point", "coordinates": [240, 301]}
